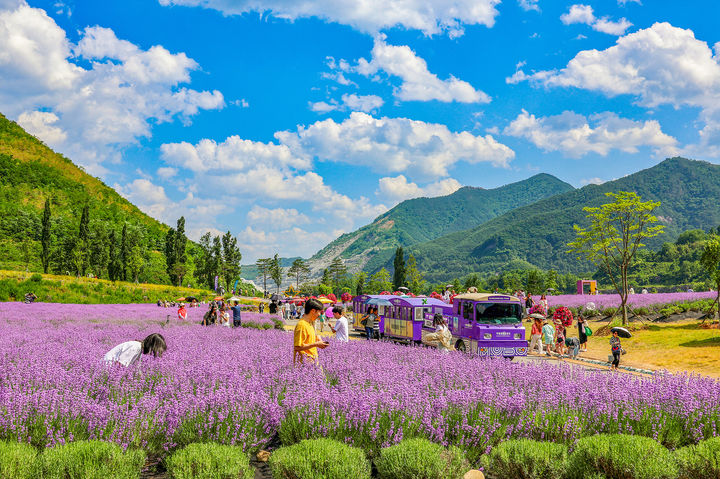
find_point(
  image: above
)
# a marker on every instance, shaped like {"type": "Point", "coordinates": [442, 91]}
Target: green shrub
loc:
{"type": "Point", "coordinates": [621, 456]}
{"type": "Point", "coordinates": [17, 460]}
{"type": "Point", "coordinates": [319, 459]}
{"type": "Point", "coordinates": [421, 459]}
{"type": "Point", "coordinates": [209, 461]}
{"type": "Point", "coordinates": [35, 278]}
{"type": "Point", "coordinates": [527, 459]}
{"type": "Point", "coordinates": [608, 312]}
{"type": "Point", "coordinates": [701, 461]}
{"type": "Point", "coordinates": [90, 460]}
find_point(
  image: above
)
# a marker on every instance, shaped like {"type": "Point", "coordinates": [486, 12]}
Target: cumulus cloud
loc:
{"type": "Point", "coordinates": [528, 5]}
{"type": "Point", "coordinates": [575, 135]}
{"type": "Point", "coordinates": [366, 103]}
{"type": "Point", "coordinates": [429, 16]}
{"type": "Point", "coordinates": [111, 103]}
{"type": "Point", "coordinates": [399, 188]}
{"type": "Point", "coordinates": [417, 82]}
{"type": "Point", "coordinates": [584, 14]}
{"type": "Point", "coordinates": [394, 145]}
{"type": "Point", "coordinates": [275, 219]}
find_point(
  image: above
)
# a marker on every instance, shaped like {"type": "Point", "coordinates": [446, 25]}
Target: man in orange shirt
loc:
{"type": "Point", "coordinates": [305, 341]}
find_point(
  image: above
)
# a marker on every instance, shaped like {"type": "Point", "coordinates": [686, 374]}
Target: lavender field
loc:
{"type": "Point", "coordinates": [238, 386]}
{"type": "Point", "coordinates": [602, 301]}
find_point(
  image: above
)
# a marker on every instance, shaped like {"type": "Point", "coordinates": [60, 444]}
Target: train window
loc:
{"type": "Point", "coordinates": [467, 311]}
{"type": "Point", "coordinates": [498, 313]}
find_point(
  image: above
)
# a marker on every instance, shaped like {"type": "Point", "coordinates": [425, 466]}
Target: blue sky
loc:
{"type": "Point", "coordinates": [290, 123]}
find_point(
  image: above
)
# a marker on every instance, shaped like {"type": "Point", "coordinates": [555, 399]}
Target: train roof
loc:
{"type": "Point", "coordinates": [415, 301]}
{"type": "Point", "coordinates": [487, 297]}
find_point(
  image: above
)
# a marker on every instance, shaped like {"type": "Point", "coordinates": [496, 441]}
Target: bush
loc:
{"type": "Point", "coordinates": [701, 461]}
{"type": "Point", "coordinates": [211, 461]}
{"type": "Point", "coordinates": [35, 278]}
{"type": "Point", "coordinates": [609, 312]}
{"type": "Point", "coordinates": [319, 459]}
{"type": "Point", "coordinates": [90, 460]}
{"type": "Point", "coordinates": [17, 460]}
{"type": "Point", "coordinates": [421, 459]}
{"type": "Point", "coordinates": [621, 456]}
{"type": "Point", "coordinates": [527, 459]}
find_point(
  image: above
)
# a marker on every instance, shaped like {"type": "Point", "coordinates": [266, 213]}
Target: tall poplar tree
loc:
{"type": "Point", "coordinates": [170, 257]}
{"type": "Point", "coordinates": [45, 238]}
{"type": "Point", "coordinates": [399, 266]}
{"type": "Point", "coordinates": [123, 254]}
{"type": "Point", "coordinates": [179, 265]}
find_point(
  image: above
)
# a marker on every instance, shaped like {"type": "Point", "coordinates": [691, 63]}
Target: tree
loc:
{"type": "Point", "coordinates": [337, 272]}
{"type": "Point", "coordinates": [45, 237]}
{"type": "Point", "coordinates": [299, 270]}
{"type": "Point", "coordinates": [113, 257]}
{"type": "Point", "coordinates": [360, 279]}
{"type": "Point", "coordinates": [124, 253]}
{"type": "Point", "coordinates": [263, 267]}
{"type": "Point", "coordinates": [231, 259]}
{"type": "Point", "coordinates": [534, 283]}
{"type": "Point", "coordinates": [136, 261]}
{"type": "Point", "coordinates": [710, 261]}
{"type": "Point", "coordinates": [216, 262]}
{"type": "Point", "coordinates": [276, 271]}
{"type": "Point", "coordinates": [415, 279]}
{"type": "Point", "coordinates": [399, 269]}
{"type": "Point", "coordinates": [80, 253]}
{"type": "Point", "coordinates": [170, 257]}
{"type": "Point", "coordinates": [379, 282]}
{"type": "Point", "coordinates": [179, 266]}
{"type": "Point", "coordinates": [615, 234]}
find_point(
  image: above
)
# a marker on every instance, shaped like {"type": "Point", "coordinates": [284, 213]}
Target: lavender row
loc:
{"type": "Point", "coordinates": [238, 386]}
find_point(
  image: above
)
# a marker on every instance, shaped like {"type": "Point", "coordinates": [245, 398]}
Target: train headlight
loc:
{"type": "Point", "coordinates": [487, 336]}
{"type": "Point", "coordinates": [518, 336]}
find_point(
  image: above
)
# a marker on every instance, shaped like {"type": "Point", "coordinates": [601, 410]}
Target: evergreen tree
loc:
{"type": "Point", "coordinates": [337, 272]}
{"type": "Point", "coordinates": [276, 271]}
{"type": "Point", "coordinates": [263, 267]}
{"type": "Point", "coordinates": [216, 262]}
{"type": "Point", "coordinates": [113, 257]}
{"type": "Point", "coordinates": [417, 284]}
{"type": "Point", "coordinates": [81, 253]}
{"type": "Point", "coordinates": [299, 270]}
{"type": "Point", "coordinates": [123, 254]}
{"type": "Point", "coordinates": [360, 279]}
{"type": "Point", "coordinates": [170, 257]}
{"type": "Point", "coordinates": [399, 265]}
{"type": "Point", "coordinates": [326, 279]}
{"type": "Point", "coordinates": [179, 265]}
{"type": "Point", "coordinates": [379, 282]}
{"type": "Point", "coordinates": [231, 259]}
{"type": "Point", "coordinates": [136, 261]}
{"type": "Point", "coordinates": [204, 260]}
{"type": "Point", "coordinates": [45, 238]}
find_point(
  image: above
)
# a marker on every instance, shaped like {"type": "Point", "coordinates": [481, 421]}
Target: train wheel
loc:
{"type": "Point", "coordinates": [460, 346]}
{"type": "Point", "coordinates": [509, 358]}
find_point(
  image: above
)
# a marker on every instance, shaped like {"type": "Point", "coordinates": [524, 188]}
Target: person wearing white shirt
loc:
{"type": "Point", "coordinates": [129, 352]}
{"type": "Point", "coordinates": [341, 324]}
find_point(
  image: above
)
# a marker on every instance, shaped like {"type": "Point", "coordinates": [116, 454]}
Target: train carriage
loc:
{"type": "Point", "coordinates": [405, 318]}
{"type": "Point", "coordinates": [487, 325]}
{"type": "Point", "coordinates": [360, 309]}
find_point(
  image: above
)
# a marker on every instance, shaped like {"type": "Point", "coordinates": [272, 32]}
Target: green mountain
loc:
{"type": "Point", "coordinates": [423, 219]}
{"type": "Point", "coordinates": [536, 235]}
{"type": "Point", "coordinates": [30, 173]}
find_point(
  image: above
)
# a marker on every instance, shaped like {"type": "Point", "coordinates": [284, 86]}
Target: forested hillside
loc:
{"type": "Point", "coordinates": [422, 219]}
{"type": "Point", "coordinates": [536, 235]}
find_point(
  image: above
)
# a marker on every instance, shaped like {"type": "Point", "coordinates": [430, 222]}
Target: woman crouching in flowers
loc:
{"type": "Point", "coordinates": [129, 352]}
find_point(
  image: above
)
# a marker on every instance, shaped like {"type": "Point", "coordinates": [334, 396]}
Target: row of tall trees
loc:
{"type": "Point", "coordinates": [220, 257]}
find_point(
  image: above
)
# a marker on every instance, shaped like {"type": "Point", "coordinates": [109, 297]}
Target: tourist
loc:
{"type": "Point", "coordinates": [210, 316]}
{"type": "Point", "coordinates": [573, 346]}
{"type": "Point", "coordinates": [30, 298]}
{"type": "Point", "coordinates": [446, 295]}
{"type": "Point", "coordinates": [616, 349]}
{"type": "Point", "coordinates": [368, 321]}
{"type": "Point", "coordinates": [273, 308]}
{"type": "Point", "coordinates": [544, 305]}
{"type": "Point", "coordinates": [321, 319]}
{"type": "Point", "coordinates": [529, 303]}
{"type": "Point", "coordinates": [129, 352]}
{"type": "Point", "coordinates": [559, 338]}
{"type": "Point", "coordinates": [582, 336]}
{"type": "Point", "coordinates": [631, 290]}
{"type": "Point", "coordinates": [182, 312]}
{"type": "Point", "coordinates": [224, 316]}
{"type": "Point", "coordinates": [536, 335]}
{"type": "Point", "coordinates": [341, 324]}
{"type": "Point", "coordinates": [237, 322]}
{"type": "Point", "coordinates": [261, 308]}
{"type": "Point", "coordinates": [548, 332]}
{"type": "Point", "coordinates": [305, 342]}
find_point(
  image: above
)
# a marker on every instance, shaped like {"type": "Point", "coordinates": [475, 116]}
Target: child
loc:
{"type": "Point", "coordinates": [616, 350]}
{"type": "Point", "coordinates": [182, 312]}
{"type": "Point", "coordinates": [573, 345]}
{"type": "Point", "coordinates": [129, 352]}
{"type": "Point", "coordinates": [548, 332]}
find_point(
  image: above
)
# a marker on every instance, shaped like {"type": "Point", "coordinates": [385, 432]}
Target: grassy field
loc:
{"type": "Point", "coordinates": [69, 289]}
{"type": "Point", "coordinates": [683, 346]}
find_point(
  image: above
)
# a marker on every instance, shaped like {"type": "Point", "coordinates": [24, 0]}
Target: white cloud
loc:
{"type": "Point", "coordinates": [366, 103]}
{"type": "Point", "coordinates": [394, 145]}
{"type": "Point", "coordinates": [166, 172]}
{"type": "Point", "coordinates": [418, 83]}
{"type": "Point", "coordinates": [399, 188]}
{"type": "Point", "coordinates": [275, 219]}
{"type": "Point", "coordinates": [110, 104]}
{"type": "Point", "coordinates": [40, 124]}
{"type": "Point", "coordinates": [429, 16]}
{"type": "Point", "coordinates": [584, 14]}
{"type": "Point", "coordinates": [576, 135]}
{"type": "Point", "coordinates": [592, 181]}
{"type": "Point", "coordinates": [528, 5]}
